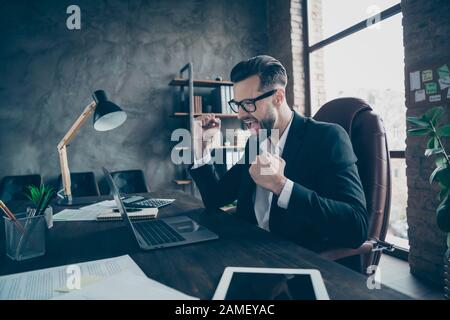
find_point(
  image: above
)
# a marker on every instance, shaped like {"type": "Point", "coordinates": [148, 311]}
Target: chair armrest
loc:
{"type": "Point", "coordinates": [373, 244]}
{"type": "Point", "coordinates": [340, 253]}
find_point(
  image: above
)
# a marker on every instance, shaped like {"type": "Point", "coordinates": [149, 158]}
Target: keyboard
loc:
{"type": "Point", "coordinates": [149, 203]}
{"type": "Point", "coordinates": [157, 232]}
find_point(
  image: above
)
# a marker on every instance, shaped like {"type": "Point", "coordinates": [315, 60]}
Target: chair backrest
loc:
{"type": "Point", "coordinates": [130, 181]}
{"type": "Point", "coordinates": [82, 184]}
{"type": "Point", "coordinates": [14, 187]}
{"type": "Point", "coordinates": [368, 137]}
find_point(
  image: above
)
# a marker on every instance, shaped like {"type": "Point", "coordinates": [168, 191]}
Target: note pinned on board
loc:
{"type": "Point", "coordinates": [435, 98]}
{"type": "Point", "coordinates": [414, 80]}
{"type": "Point", "coordinates": [419, 95]}
{"type": "Point", "coordinates": [431, 88]}
{"type": "Point", "coordinates": [427, 75]}
{"type": "Point", "coordinates": [444, 83]}
{"type": "Point", "coordinates": [443, 71]}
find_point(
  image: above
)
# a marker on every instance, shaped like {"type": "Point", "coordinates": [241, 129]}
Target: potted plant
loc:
{"type": "Point", "coordinates": [41, 197]}
{"type": "Point", "coordinates": [430, 125]}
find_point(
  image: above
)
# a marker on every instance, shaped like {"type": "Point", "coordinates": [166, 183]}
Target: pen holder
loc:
{"type": "Point", "coordinates": [26, 243]}
{"type": "Point", "coordinates": [48, 213]}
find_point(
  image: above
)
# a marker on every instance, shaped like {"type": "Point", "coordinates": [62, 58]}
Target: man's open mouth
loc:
{"type": "Point", "coordinates": [252, 124]}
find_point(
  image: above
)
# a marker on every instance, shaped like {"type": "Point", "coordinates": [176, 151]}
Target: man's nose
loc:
{"type": "Point", "coordinates": [242, 114]}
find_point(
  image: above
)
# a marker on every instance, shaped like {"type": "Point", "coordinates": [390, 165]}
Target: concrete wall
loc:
{"type": "Point", "coordinates": [131, 49]}
{"type": "Point", "coordinates": [426, 26]}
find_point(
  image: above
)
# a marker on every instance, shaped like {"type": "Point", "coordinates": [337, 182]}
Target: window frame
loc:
{"type": "Point", "coordinates": [399, 252]}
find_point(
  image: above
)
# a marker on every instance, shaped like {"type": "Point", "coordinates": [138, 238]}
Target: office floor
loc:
{"type": "Point", "coordinates": [395, 274]}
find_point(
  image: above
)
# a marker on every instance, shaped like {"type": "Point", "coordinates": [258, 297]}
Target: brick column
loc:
{"type": "Point", "coordinates": [285, 38]}
{"type": "Point", "coordinates": [426, 33]}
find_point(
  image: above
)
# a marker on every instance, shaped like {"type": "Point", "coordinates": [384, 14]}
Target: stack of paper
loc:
{"type": "Point", "coordinates": [87, 213]}
{"type": "Point", "coordinates": [114, 278]}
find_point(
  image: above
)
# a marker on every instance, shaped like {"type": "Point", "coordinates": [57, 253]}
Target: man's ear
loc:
{"type": "Point", "coordinates": [279, 97]}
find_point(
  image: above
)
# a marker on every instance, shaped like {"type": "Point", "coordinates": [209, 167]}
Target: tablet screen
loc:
{"type": "Point", "coordinates": [270, 286]}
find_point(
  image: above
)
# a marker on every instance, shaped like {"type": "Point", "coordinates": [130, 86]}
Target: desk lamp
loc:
{"type": "Point", "coordinates": [107, 116]}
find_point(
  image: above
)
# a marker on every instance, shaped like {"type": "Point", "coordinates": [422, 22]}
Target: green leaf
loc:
{"type": "Point", "coordinates": [443, 215]}
{"type": "Point", "coordinates": [435, 173]}
{"type": "Point", "coordinates": [443, 176]}
{"type": "Point", "coordinates": [433, 143]}
{"type": "Point", "coordinates": [418, 122]}
{"type": "Point", "coordinates": [440, 161]}
{"type": "Point", "coordinates": [433, 115]}
{"type": "Point", "coordinates": [443, 193]}
{"type": "Point", "coordinates": [444, 131]}
{"type": "Point", "coordinates": [430, 152]}
{"type": "Point", "coordinates": [437, 116]}
{"type": "Point", "coordinates": [418, 131]}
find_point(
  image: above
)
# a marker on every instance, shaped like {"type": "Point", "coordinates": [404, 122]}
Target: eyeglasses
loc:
{"type": "Point", "coordinates": [249, 105]}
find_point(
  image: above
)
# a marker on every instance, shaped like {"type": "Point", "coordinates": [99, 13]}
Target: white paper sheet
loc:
{"type": "Point", "coordinates": [52, 282]}
{"type": "Point", "coordinates": [419, 95]}
{"type": "Point", "coordinates": [414, 80]}
{"type": "Point", "coordinates": [435, 98]}
{"type": "Point", "coordinates": [75, 215]}
{"type": "Point", "coordinates": [87, 213]}
{"type": "Point", "coordinates": [444, 83]}
{"type": "Point", "coordinates": [126, 286]}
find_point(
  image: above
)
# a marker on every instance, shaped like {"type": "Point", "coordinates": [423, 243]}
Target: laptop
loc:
{"type": "Point", "coordinates": [139, 202]}
{"type": "Point", "coordinates": [160, 232]}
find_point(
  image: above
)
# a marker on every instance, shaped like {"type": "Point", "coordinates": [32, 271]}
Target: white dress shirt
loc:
{"type": "Point", "coordinates": [262, 198]}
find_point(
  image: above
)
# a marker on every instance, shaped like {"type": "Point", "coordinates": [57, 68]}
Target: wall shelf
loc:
{"type": "Point", "coordinates": [199, 83]}
{"type": "Point", "coordinates": [182, 182]}
{"type": "Point", "coordinates": [219, 147]}
{"type": "Point", "coordinates": [218, 115]}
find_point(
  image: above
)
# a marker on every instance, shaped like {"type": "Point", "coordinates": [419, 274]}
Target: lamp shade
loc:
{"type": "Point", "coordinates": [107, 115]}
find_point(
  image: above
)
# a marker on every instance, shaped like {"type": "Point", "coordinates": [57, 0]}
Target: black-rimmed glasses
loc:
{"type": "Point", "coordinates": [249, 105]}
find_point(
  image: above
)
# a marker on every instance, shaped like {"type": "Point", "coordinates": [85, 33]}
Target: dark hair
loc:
{"type": "Point", "coordinates": [269, 70]}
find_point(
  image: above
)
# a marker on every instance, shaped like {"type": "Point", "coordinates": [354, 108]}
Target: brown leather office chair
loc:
{"type": "Point", "coordinates": [366, 131]}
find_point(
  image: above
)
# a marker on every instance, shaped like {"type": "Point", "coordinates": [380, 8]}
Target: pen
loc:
{"type": "Point", "coordinates": [36, 212]}
{"type": "Point", "coordinates": [11, 216]}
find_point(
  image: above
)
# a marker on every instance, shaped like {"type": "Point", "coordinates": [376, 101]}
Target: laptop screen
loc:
{"type": "Point", "coordinates": [122, 210]}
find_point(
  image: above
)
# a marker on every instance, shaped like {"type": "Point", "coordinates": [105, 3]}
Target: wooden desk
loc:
{"type": "Point", "coordinates": [194, 269]}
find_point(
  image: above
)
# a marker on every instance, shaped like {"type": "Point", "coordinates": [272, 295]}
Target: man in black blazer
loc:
{"type": "Point", "coordinates": [302, 183]}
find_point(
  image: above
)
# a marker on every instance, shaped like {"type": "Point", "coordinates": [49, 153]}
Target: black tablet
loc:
{"type": "Point", "coordinates": [270, 284]}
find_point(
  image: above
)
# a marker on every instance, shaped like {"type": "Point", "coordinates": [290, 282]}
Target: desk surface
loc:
{"type": "Point", "coordinates": [194, 269]}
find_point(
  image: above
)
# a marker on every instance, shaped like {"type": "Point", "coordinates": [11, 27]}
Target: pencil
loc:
{"type": "Point", "coordinates": [11, 216]}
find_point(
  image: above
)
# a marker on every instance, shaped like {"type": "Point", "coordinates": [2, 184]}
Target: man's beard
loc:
{"type": "Point", "coordinates": [269, 121]}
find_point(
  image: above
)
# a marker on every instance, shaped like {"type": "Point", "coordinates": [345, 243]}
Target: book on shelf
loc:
{"type": "Point", "coordinates": [219, 99]}
{"type": "Point", "coordinates": [197, 104]}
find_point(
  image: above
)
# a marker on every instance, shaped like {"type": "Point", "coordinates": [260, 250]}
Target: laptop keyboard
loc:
{"type": "Point", "coordinates": [149, 203]}
{"type": "Point", "coordinates": [157, 232]}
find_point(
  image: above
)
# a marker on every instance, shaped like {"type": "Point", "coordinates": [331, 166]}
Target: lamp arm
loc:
{"type": "Point", "coordinates": [62, 150]}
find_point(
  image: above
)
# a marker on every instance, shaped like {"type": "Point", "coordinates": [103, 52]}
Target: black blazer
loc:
{"type": "Point", "coordinates": [327, 208]}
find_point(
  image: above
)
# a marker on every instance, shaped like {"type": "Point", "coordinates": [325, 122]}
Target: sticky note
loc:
{"type": "Point", "coordinates": [444, 83]}
{"type": "Point", "coordinates": [419, 95]}
{"type": "Point", "coordinates": [443, 71]}
{"type": "Point", "coordinates": [427, 75]}
{"type": "Point", "coordinates": [435, 98]}
{"type": "Point", "coordinates": [431, 88]}
{"type": "Point", "coordinates": [414, 80]}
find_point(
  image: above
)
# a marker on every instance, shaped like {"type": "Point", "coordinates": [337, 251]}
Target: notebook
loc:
{"type": "Point", "coordinates": [147, 213]}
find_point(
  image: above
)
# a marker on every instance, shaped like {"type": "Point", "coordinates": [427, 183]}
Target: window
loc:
{"type": "Point", "coordinates": [365, 62]}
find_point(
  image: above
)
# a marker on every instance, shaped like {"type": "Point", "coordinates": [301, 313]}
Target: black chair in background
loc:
{"type": "Point", "coordinates": [130, 181]}
{"type": "Point", "coordinates": [13, 188]}
{"type": "Point", "coordinates": [83, 184]}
